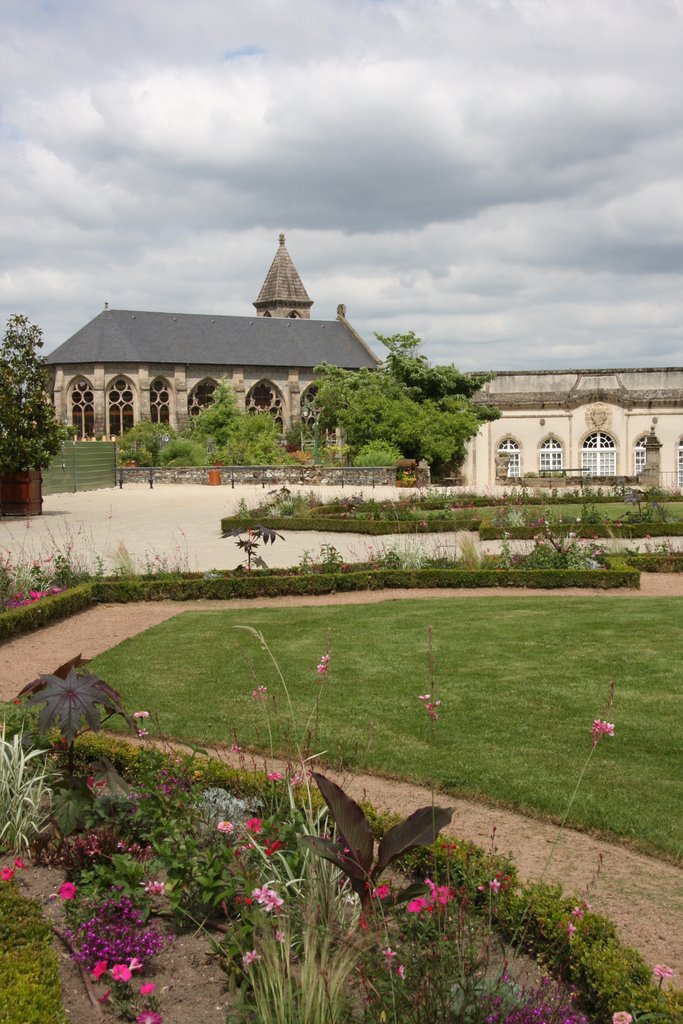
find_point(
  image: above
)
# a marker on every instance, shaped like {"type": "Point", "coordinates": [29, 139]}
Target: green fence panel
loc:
{"type": "Point", "coordinates": [81, 466]}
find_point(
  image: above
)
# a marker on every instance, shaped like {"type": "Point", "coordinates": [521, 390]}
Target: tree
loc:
{"type": "Point", "coordinates": [29, 432]}
{"type": "Point", "coordinates": [426, 411]}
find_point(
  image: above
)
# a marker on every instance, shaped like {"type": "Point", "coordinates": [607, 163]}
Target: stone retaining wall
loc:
{"type": "Point", "coordinates": [314, 476]}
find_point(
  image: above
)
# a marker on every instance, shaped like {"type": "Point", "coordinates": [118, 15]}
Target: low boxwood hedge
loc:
{"type": "Point", "coordinates": [671, 562]}
{"type": "Point", "coordinates": [608, 975]}
{"type": "Point", "coordinates": [374, 528]}
{"type": "Point", "coordinates": [30, 990]}
{"type": "Point", "coordinates": [15, 621]}
{"type": "Point", "coordinates": [586, 532]}
{"type": "Point", "coordinates": [266, 584]}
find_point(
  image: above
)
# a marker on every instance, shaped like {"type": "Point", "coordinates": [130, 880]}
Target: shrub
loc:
{"type": "Point", "coordinates": [30, 991]}
{"type": "Point", "coordinates": [377, 453]}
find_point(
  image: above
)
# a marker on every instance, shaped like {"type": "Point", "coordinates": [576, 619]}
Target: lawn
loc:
{"type": "Point", "coordinates": [520, 679]}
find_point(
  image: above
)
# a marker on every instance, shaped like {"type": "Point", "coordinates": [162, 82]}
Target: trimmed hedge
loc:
{"type": "Point", "coordinates": [30, 990]}
{"type": "Point", "coordinates": [378, 528]}
{"type": "Point", "coordinates": [655, 562]}
{"type": "Point", "coordinates": [15, 621]}
{"type": "Point", "coordinates": [608, 975]}
{"type": "Point", "coordinates": [588, 531]}
{"type": "Point", "coordinates": [264, 584]}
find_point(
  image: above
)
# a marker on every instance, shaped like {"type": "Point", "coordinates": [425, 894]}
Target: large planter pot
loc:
{"type": "Point", "coordinates": [21, 494]}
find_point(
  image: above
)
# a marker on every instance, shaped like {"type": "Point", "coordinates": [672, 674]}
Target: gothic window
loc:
{"type": "Point", "coordinates": [550, 455]}
{"type": "Point", "coordinates": [307, 397]}
{"type": "Point", "coordinates": [201, 397]}
{"type": "Point", "coordinates": [639, 455]}
{"type": "Point", "coordinates": [511, 448]}
{"type": "Point", "coordinates": [265, 397]}
{"type": "Point", "coordinates": [598, 455]}
{"type": "Point", "coordinates": [294, 315]}
{"type": "Point", "coordinates": [159, 401]}
{"type": "Point", "coordinates": [680, 464]}
{"type": "Point", "coordinates": [83, 408]}
{"type": "Point", "coordinates": [120, 410]}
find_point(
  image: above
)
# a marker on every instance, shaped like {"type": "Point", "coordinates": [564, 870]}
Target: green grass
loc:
{"type": "Point", "coordinates": [521, 680]}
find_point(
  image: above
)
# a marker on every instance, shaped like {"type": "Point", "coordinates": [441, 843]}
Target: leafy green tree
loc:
{"type": "Point", "coordinates": [425, 411]}
{"type": "Point", "coordinates": [143, 443]}
{"type": "Point", "coordinates": [29, 432]}
{"type": "Point", "coordinates": [219, 419]}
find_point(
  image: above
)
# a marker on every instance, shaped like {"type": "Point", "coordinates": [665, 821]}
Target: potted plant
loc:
{"type": "Point", "coordinates": [29, 432]}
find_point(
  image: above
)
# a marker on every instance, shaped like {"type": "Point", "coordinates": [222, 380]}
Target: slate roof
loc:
{"type": "Point", "coordinates": [283, 286]}
{"type": "Point", "coordinates": [133, 336]}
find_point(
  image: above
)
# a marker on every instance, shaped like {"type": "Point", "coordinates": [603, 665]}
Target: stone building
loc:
{"type": "Point", "coordinates": [597, 423]}
{"type": "Point", "coordinates": [131, 365]}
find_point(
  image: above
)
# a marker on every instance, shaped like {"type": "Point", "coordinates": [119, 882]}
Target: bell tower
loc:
{"type": "Point", "coordinates": [283, 293]}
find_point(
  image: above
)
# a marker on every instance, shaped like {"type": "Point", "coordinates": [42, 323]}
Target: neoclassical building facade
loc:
{"type": "Point", "coordinates": [597, 423]}
{"type": "Point", "coordinates": [130, 365]}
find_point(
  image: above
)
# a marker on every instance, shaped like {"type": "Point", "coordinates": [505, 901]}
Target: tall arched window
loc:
{"type": "Point", "coordinates": [265, 397]}
{"type": "Point", "coordinates": [598, 455]}
{"type": "Point", "coordinates": [511, 448]}
{"type": "Point", "coordinates": [639, 455]}
{"type": "Point", "coordinates": [159, 401]}
{"type": "Point", "coordinates": [550, 455]}
{"type": "Point", "coordinates": [83, 408]}
{"type": "Point", "coordinates": [307, 415]}
{"type": "Point", "coordinates": [120, 411]}
{"type": "Point", "coordinates": [680, 464]}
{"type": "Point", "coordinates": [201, 397]}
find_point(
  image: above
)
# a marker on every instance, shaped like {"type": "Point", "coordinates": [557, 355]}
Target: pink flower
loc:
{"type": "Point", "coordinates": [67, 891]}
{"type": "Point", "coordinates": [417, 905]}
{"type": "Point", "coordinates": [571, 929]}
{"type": "Point", "coordinates": [135, 964]}
{"type": "Point", "coordinates": [279, 936]}
{"type": "Point", "coordinates": [381, 892]}
{"type": "Point", "coordinates": [249, 958]}
{"type": "Point", "coordinates": [120, 972]}
{"type": "Point", "coordinates": [494, 885]}
{"type": "Point", "coordinates": [662, 971]}
{"type": "Point", "coordinates": [622, 1017]}
{"type": "Point", "coordinates": [235, 749]}
{"type": "Point", "coordinates": [142, 733]}
{"type": "Point", "coordinates": [401, 971]}
{"type": "Point", "coordinates": [7, 874]}
{"type": "Point", "coordinates": [268, 898]}
{"type": "Point", "coordinates": [322, 668]}
{"type": "Point", "coordinates": [254, 825]}
{"type": "Point", "coordinates": [261, 693]}
{"type": "Point", "coordinates": [147, 988]}
{"type": "Point", "coordinates": [389, 954]}
{"type": "Point", "coordinates": [226, 827]}
{"type": "Point", "coordinates": [154, 888]}
{"type": "Point", "coordinates": [275, 776]}
{"type": "Point", "coordinates": [601, 728]}
{"type": "Point", "coordinates": [99, 969]}
{"type": "Point", "coordinates": [425, 697]}
{"type": "Point", "coordinates": [149, 1017]}
{"type": "Point", "coordinates": [141, 714]}
{"type": "Point", "coordinates": [18, 863]}
{"type": "Point", "coordinates": [577, 912]}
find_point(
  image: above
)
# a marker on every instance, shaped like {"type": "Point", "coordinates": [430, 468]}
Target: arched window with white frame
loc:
{"type": "Point", "coordinates": [599, 455]}
{"type": "Point", "coordinates": [680, 463]}
{"type": "Point", "coordinates": [639, 455]}
{"type": "Point", "coordinates": [550, 455]}
{"type": "Point", "coordinates": [510, 448]}
{"type": "Point", "coordinates": [159, 401]}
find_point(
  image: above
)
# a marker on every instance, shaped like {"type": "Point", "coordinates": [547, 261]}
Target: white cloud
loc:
{"type": "Point", "coordinates": [503, 176]}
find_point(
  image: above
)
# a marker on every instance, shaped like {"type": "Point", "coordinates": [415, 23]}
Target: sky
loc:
{"type": "Point", "coordinates": [503, 177]}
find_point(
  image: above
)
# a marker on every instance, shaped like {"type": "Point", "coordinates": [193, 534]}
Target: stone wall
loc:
{"type": "Point", "coordinates": [313, 476]}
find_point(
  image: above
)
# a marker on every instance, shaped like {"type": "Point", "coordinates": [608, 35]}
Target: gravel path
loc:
{"type": "Point", "coordinates": [643, 895]}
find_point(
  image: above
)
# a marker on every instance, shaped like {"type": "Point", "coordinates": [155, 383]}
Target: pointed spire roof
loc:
{"type": "Point", "coordinates": [283, 293]}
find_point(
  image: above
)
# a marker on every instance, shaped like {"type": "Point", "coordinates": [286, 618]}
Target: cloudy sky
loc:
{"type": "Point", "coordinates": [504, 177]}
